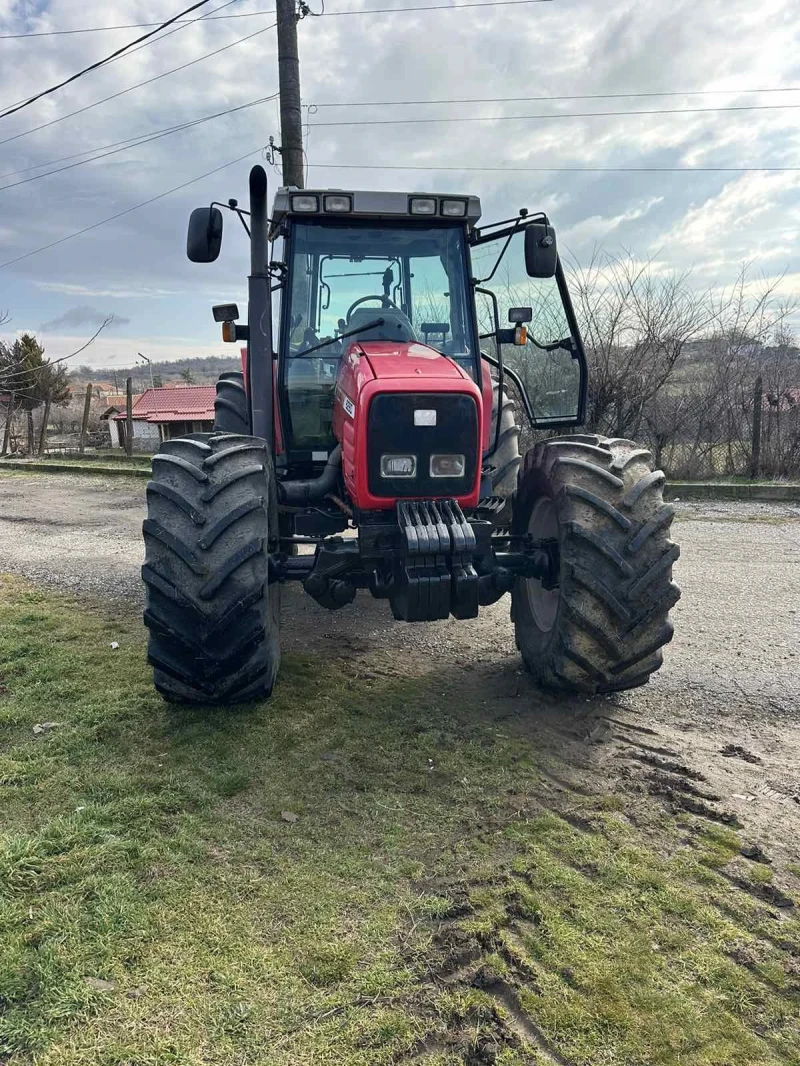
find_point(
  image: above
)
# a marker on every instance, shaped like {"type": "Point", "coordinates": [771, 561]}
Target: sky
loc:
{"type": "Point", "coordinates": [135, 268]}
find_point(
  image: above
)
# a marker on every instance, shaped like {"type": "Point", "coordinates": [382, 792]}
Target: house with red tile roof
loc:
{"type": "Point", "coordinates": [161, 414]}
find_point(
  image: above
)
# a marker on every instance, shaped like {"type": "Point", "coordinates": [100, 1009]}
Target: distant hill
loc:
{"type": "Point", "coordinates": [203, 371]}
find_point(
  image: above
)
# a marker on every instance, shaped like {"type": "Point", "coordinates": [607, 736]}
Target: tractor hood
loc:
{"type": "Point", "coordinates": [416, 362]}
{"type": "Point", "coordinates": [396, 398]}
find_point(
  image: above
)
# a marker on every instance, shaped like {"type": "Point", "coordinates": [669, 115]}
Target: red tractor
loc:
{"type": "Point", "coordinates": [381, 408]}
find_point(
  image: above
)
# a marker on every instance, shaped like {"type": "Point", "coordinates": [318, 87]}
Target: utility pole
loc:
{"type": "Point", "coordinates": [9, 418]}
{"type": "Point", "coordinates": [128, 417]}
{"type": "Point", "coordinates": [152, 386]}
{"type": "Point", "coordinates": [87, 406]}
{"type": "Point", "coordinates": [755, 454]}
{"type": "Point", "coordinates": [289, 86]}
{"type": "Point", "coordinates": [45, 420]}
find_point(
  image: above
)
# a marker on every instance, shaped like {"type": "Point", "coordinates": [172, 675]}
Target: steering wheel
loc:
{"type": "Point", "coordinates": [364, 299]}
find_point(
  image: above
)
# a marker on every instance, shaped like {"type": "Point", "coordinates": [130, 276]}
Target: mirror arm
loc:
{"type": "Point", "coordinates": [499, 361]}
{"type": "Point", "coordinates": [480, 236]}
{"type": "Point", "coordinates": [240, 211]}
{"type": "Point", "coordinates": [503, 251]}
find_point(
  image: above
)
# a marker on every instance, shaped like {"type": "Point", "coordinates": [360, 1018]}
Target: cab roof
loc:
{"type": "Point", "coordinates": [349, 203]}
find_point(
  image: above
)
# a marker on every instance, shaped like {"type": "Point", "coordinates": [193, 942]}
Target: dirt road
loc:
{"type": "Point", "coordinates": [731, 682]}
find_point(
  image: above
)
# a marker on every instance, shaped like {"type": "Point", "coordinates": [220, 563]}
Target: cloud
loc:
{"type": "Point", "coordinates": [541, 50]}
{"type": "Point", "coordinates": [77, 317]}
{"type": "Point", "coordinates": [140, 292]}
{"type": "Point", "coordinates": [599, 227]}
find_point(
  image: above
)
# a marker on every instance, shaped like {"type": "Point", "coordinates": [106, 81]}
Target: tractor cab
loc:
{"type": "Point", "coordinates": [364, 267]}
{"type": "Point", "coordinates": [404, 268]}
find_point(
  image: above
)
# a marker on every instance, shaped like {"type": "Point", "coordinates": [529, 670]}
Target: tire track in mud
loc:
{"type": "Point", "coordinates": [648, 772]}
{"type": "Point", "coordinates": [463, 960]}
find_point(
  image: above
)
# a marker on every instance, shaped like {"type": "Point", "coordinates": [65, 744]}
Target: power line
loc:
{"type": "Point", "coordinates": [129, 210]}
{"type": "Point", "coordinates": [143, 138]}
{"type": "Point", "coordinates": [542, 99]}
{"type": "Point", "coordinates": [163, 36]}
{"type": "Point", "coordinates": [271, 11]}
{"type": "Point", "coordinates": [138, 85]}
{"type": "Point", "coordinates": [177, 29]}
{"type": "Point", "coordinates": [136, 142]}
{"type": "Point", "coordinates": [510, 168]}
{"type": "Point", "coordinates": [100, 62]}
{"type": "Point", "coordinates": [6, 377]}
{"type": "Point", "coordinates": [557, 115]}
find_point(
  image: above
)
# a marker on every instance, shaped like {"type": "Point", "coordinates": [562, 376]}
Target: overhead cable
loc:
{"type": "Point", "coordinates": [137, 142]}
{"type": "Point", "coordinates": [552, 115]}
{"type": "Point", "coordinates": [138, 85]}
{"type": "Point", "coordinates": [100, 62]}
{"type": "Point", "coordinates": [544, 99]}
{"type": "Point", "coordinates": [504, 168]}
{"type": "Point", "coordinates": [271, 11]}
{"type": "Point", "coordinates": [129, 210]}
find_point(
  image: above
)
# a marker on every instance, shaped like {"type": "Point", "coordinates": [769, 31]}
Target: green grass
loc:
{"type": "Point", "coordinates": [157, 908]}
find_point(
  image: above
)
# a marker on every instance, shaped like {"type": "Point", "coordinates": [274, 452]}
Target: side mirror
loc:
{"type": "Point", "coordinates": [204, 239]}
{"type": "Point", "coordinates": [541, 254]}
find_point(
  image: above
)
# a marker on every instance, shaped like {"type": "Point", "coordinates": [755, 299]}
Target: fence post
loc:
{"type": "Point", "coordinates": [45, 420]}
{"type": "Point", "coordinates": [9, 416]}
{"type": "Point", "coordinates": [755, 455]}
{"type": "Point", "coordinates": [85, 423]}
{"type": "Point", "coordinates": [129, 417]}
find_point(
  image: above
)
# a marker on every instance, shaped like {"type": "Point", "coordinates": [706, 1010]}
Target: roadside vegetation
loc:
{"type": "Point", "coordinates": [369, 869]}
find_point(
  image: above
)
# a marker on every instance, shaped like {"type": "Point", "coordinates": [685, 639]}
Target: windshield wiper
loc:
{"type": "Point", "coordinates": [341, 337]}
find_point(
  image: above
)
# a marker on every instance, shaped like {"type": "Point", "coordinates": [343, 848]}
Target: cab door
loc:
{"type": "Point", "coordinates": [526, 321]}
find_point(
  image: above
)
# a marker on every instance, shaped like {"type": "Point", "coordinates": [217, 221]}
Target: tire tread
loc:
{"type": "Point", "coordinates": [209, 610]}
{"type": "Point", "coordinates": [616, 568]}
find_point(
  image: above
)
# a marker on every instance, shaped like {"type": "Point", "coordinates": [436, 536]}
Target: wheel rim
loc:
{"type": "Point", "coordinates": [543, 602]}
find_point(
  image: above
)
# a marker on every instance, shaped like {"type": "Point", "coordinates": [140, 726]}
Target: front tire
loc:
{"type": "Point", "coordinates": [212, 614]}
{"type": "Point", "coordinates": [603, 628]}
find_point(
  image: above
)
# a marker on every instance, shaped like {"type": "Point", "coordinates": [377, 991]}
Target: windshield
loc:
{"type": "Point", "coordinates": [389, 282]}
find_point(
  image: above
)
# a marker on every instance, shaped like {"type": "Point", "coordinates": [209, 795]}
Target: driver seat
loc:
{"type": "Point", "coordinates": [396, 326]}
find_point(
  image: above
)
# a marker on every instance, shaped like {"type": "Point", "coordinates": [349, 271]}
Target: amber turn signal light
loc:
{"type": "Point", "coordinates": [229, 331]}
{"type": "Point", "coordinates": [521, 335]}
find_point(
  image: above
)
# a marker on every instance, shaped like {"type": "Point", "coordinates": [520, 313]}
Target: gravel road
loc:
{"type": "Point", "coordinates": [732, 673]}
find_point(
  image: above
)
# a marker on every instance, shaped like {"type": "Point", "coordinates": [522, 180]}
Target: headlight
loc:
{"type": "Point", "coordinates": [447, 465]}
{"type": "Point", "coordinates": [398, 465]}
{"type": "Point", "coordinates": [305, 203]}
{"type": "Point", "coordinates": [422, 206]}
{"type": "Point", "coordinates": [337, 203]}
{"type": "Point", "coordinates": [454, 208]}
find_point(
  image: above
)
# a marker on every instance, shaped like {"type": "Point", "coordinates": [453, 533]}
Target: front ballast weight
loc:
{"type": "Point", "coordinates": [426, 558]}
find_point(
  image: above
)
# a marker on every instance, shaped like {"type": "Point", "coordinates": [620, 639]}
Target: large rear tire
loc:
{"type": "Point", "coordinates": [231, 412]}
{"type": "Point", "coordinates": [212, 614]}
{"type": "Point", "coordinates": [603, 628]}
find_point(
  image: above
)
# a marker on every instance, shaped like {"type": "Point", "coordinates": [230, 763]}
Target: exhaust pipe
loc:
{"type": "Point", "coordinates": [301, 493]}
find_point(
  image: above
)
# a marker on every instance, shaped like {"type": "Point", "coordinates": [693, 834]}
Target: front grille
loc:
{"type": "Point", "coordinates": [391, 430]}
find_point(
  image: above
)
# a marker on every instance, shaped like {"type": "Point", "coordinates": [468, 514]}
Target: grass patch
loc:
{"type": "Point", "coordinates": [158, 907]}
